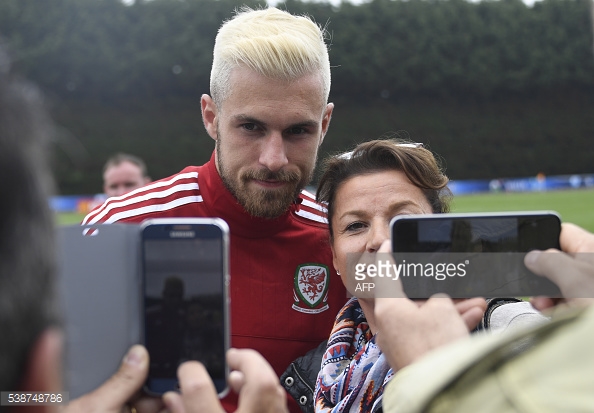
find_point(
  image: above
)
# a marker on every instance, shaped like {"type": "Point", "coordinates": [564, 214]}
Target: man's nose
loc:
{"type": "Point", "coordinates": [273, 153]}
{"type": "Point", "coordinates": [121, 190]}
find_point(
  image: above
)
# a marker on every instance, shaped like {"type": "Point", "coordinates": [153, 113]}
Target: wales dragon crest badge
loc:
{"type": "Point", "coordinates": [311, 288]}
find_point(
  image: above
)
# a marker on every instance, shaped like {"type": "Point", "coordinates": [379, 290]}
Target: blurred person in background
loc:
{"type": "Point", "coordinates": [123, 173]}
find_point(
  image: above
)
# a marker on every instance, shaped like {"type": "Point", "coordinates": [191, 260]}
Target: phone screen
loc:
{"type": "Point", "coordinates": [185, 314]}
{"type": "Point", "coordinates": [520, 233]}
{"type": "Point", "coordinates": [469, 255]}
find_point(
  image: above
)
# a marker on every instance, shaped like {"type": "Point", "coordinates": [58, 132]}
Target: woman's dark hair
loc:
{"type": "Point", "coordinates": [418, 163]}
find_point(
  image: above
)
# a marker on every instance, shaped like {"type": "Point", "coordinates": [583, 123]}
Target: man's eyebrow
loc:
{"type": "Point", "coordinates": [247, 119]}
{"type": "Point", "coordinates": [250, 119]}
{"type": "Point", "coordinates": [305, 124]}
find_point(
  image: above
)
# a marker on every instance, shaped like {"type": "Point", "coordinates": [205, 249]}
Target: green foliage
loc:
{"type": "Point", "coordinates": [105, 49]}
{"type": "Point", "coordinates": [458, 48]}
{"type": "Point", "coordinates": [508, 138]}
{"type": "Point", "coordinates": [497, 88]}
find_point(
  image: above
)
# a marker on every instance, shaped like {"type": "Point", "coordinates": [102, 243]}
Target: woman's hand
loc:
{"type": "Point", "coordinates": [408, 329]}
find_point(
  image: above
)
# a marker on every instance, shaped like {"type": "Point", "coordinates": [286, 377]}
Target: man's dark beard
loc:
{"type": "Point", "coordinates": [263, 203]}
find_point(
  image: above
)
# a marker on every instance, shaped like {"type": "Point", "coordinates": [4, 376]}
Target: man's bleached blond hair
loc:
{"type": "Point", "coordinates": [273, 43]}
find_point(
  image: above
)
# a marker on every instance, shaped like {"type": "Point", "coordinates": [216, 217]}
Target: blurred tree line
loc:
{"type": "Point", "coordinates": [497, 88]}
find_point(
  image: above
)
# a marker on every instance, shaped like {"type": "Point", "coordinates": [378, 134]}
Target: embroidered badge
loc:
{"type": "Point", "coordinates": [311, 288]}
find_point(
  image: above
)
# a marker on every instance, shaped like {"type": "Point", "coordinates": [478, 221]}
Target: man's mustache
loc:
{"type": "Point", "coordinates": [266, 175]}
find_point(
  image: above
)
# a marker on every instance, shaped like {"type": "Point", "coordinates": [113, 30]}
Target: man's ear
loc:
{"type": "Point", "coordinates": [326, 120]}
{"type": "Point", "coordinates": [43, 372]}
{"type": "Point", "coordinates": [209, 115]}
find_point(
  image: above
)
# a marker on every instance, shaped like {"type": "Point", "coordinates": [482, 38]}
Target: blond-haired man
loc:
{"type": "Point", "coordinates": [268, 113]}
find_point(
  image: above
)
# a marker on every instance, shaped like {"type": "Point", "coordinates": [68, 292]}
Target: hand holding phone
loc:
{"type": "Point", "coordinates": [572, 270]}
{"type": "Point", "coordinates": [470, 255]}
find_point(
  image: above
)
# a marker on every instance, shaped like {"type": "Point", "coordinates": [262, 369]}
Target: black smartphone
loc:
{"type": "Point", "coordinates": [466, 255]}
{"type": "Point", "coordinates": [185, 281]}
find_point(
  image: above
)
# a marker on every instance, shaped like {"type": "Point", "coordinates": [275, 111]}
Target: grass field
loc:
{"type": "Point", "coordinates": [67, 218]}
{"type": "Point", "coordinates": [575, 206]}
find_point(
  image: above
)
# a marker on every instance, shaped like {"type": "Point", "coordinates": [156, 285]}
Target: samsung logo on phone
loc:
{"type": "Point", "coordinates": [182, 234]}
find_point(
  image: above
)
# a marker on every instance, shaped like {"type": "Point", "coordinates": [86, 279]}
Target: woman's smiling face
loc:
{"type": "Point", "coordinates": [364, 205]}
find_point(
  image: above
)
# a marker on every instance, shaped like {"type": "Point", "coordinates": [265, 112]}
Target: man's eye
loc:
{"type": "Point", "coordinates": [297, 131]}
{"type": "Point", "coordinates": [249, 126]}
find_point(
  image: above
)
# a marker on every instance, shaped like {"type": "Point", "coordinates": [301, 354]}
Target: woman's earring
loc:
{"type": "Point", "coordinates": [337, 272]}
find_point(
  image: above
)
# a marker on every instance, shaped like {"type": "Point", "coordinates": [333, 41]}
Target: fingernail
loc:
{"type": "Point", "coordinates": [531, 257]}
{"type": "Point", "coordinates": [134, 356]}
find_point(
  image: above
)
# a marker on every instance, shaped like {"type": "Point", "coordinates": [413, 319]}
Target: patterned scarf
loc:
{"type": "Point", "coordinates": [354, 370]}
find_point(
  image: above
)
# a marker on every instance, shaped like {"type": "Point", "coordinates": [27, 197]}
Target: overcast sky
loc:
{"type": "Point", "coordinates": [337, 2]}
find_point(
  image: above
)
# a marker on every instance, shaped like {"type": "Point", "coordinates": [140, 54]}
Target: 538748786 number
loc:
{"type": "Point", "coordinates": [32, 398]}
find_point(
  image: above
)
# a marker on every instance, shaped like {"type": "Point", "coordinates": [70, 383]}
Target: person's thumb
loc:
{"type": "Point", "coordinates": [119, 388]}
{"type": "Point", "coordinates": [550, 263]}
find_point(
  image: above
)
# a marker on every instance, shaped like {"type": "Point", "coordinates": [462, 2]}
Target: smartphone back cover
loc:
{"type": "Point", "coordinates": [99, 287]}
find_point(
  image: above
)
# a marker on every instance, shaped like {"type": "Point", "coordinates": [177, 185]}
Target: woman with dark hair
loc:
{"type": "Point", "coordinates": [364, 190]}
